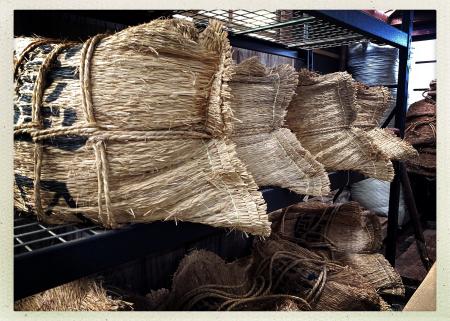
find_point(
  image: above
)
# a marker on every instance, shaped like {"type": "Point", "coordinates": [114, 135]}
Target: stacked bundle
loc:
{"type": "Point", "coordinates": [131, 127]}
{"type": "Point", "coordinates": [272, 154]}
{"type": "Point", "coordinates": [79, 295]}
{"type": "Point", "coordinates": [279, 275]}
{"type": "Point", "coordinates": [373, 102]}
{"type": "Point", "coordinates": [322, 115]}
{"type": "Point", "coordinates": [421, 132]}
{"type": "Point", "coordinates": [343, 232]}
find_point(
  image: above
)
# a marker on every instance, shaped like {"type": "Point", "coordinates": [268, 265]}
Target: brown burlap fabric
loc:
{"type": "Point", "coordinates": [272, 154]}
{"type": "Point", "coordinates": [80, 295]}
{"type": "Point", "coordinates": [321, 116]}
{"type": "Point", "coordinates": [131, 127]}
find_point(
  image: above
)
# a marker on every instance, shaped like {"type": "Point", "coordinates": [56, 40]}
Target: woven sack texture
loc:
{"type": "Point", "coordinates": [344, 233]}
{"type": "Point", "coordinates": [321, 116]}
{"type": "Point", "coordinates": [205, 282]}
{"type": "Point", "coordinates": [272, 154]}
{"type": "Point", "coordinates": [131, 127]}
{"type": "Point", "coordinates": [81, 295]}
{"type": "Point", "coordinates": [376, 270]}
{"type": "Point", "coordinates": [324, 284]}
{"type": "Point", "coordinates": [339, 227]}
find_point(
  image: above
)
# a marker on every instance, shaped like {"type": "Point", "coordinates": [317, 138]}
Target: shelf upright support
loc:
{"type": "Point", "coordinates": [400, 118]}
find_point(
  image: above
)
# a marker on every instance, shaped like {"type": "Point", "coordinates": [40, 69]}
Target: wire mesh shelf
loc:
{"type": "Point", "coordinates": [290, 28]}
{"type": "Point", "coordinates": [31, 235]}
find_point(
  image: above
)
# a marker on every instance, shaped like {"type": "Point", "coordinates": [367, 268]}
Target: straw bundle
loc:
{"type": "Point", "coordinates": [279, 275]}
{"type": "Point", "coordinates": [272, 154]}
{"type": "Point", "coordinates": [112, 138]}
{"type": "Point", "coordinates": [321, 116]}
{"type": "Point", "coordinates": [421, 130]}
{"type": "Point", "coordinates": [325, 285]}
{"type": "Point", "coordinates": [203, 281]}
{"type": "Point", "coordinates": [376, 270]}
{"type": "Point", "coordinates": [79, 295]}
{"type": "Point", "coordinates": [342, 227]}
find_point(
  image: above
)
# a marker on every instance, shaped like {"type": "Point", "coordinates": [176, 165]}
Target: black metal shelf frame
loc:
{"type": "Point", "coordinates": [49, 256]}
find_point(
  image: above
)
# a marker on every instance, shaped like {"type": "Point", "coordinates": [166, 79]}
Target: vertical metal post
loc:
{"type": "Point", "coordinates": [400, 117]}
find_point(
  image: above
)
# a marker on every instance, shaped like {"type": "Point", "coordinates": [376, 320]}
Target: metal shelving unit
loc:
{"type": "Point", "coordinates": [47, 256]}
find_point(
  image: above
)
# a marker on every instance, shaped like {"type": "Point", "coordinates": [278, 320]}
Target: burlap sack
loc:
{"type": "Point", "coordinates": [80, 295]}
{"type": "Point", "coordinates": [131, 127]}
{"type": "Point", "coordinates": [425, 164]}
{"type": "Point", "coordinates": [421, 130]}
{"type": "Point", "coordinates": [272, 154]}
{"type": "Point", "coordinates": [321, 116]}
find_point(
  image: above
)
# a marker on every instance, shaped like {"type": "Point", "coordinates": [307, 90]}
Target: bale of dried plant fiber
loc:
{"type": "Point", "coordinates": [325, 285]}
{"type": "Point", "coordinates": [80, 295]}
{"type": "Point", "coordinates": [321, 116]}
{"type": "Point", "coordinates": [372, 103]}
{"type": "Point", "coordinates": [205, 282]}
{"type": "Point", "coordinates": [131, 127]}
{"type": "Point", "coordinates": [337, 227]}
{"type": "Point", "coordinates": [272, 154]}
{"type": "Point", "coordinates": [391, 145]}
{"type": "Point", "coordinates": [376, 270]}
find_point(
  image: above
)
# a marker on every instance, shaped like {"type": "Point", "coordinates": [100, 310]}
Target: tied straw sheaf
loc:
{"type": "Point", "coordinates": [180, 126]}
{"type": "Point", "coordinates": [271, 153]}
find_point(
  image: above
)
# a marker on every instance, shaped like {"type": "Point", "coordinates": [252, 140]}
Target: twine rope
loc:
{"type": "Point", "coordinates": [101, 158]}
{"type": "Point", "coordinates": [36, 102]}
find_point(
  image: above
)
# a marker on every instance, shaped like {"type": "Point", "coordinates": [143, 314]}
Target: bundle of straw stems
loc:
{"type": "Point", "coordinates": [278, 275]}
{"type": "Point", "coordinates": [271, 153]}
{"type": "Point", "coordinates": [321, 116]}
{"type": "Point", "coordinates": [131, 127]}
{"type": "Point", "coordinates": [372, 103]}
{"type": "Point", "coordinates": [81, 295]}
{"type": "Point", "coordinates": [345, 233]}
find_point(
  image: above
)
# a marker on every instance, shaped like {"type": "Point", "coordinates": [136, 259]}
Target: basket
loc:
{"type": "Point", "coordinates": [272, 154]}
{"type": "Point", "coordinates": [132, 127]}
{"type": "Point", "coordinates": [321, 116]}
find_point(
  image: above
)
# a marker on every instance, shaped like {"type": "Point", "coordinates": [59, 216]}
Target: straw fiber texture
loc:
{"type": "Point", "coordinates": [272, 154]}
{"type": "Point", "coordinates": [131, 127]}
{"type": "Point", "coordinates": [321, 116]}
{"type": "Point", "coordinates": [80, 295]}
{"type": "Point", "coordinates": [343, 232]}
{"type": "Point", "coordinates": [376, 270]}
{"type": "Point", "coordinates": [372, 104]}
{"type": "Point", "coordinates": [279, 275]}
{"type": "Point", "coordinates": [338, 227]}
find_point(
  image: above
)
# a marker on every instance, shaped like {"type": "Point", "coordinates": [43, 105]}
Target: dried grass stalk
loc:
{"type": "Point", "coordinates": [338, 227]}
{"type": "Point", "coordinates": [376, 270]}
{"type": "Point", "coordinates": [321, 116]}
{"type": "Point", "coordinates": [132, 127]}
{"type": "Point", "coordinates": [325, 285]}
{"type": "Point", "coordinates": [391, 145]}
{"type": "Point", "coordinates": [272, 154]}
{"type": "Point", "coordinates": [80, 295]}
{"type": "Point", "coordinates": [373, 102]}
